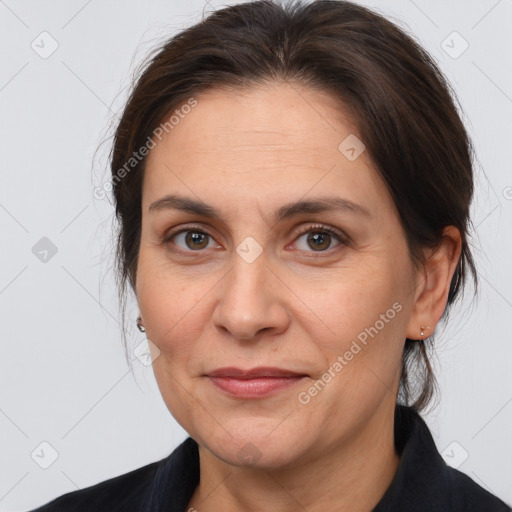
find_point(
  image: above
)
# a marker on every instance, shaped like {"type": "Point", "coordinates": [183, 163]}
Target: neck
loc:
{"type": "Point", "coordinates": [350, 475]}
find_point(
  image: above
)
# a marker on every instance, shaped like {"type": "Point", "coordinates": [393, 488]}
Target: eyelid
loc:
{"type": "Point", "coordinates": [185, 227]}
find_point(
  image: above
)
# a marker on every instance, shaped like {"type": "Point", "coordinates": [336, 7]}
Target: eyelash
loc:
{"type": "Point", "coordinates": [316, 228]}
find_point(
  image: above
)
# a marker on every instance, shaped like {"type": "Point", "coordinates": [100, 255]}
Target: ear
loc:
{"type": "Point", "coordinates": [433, 285]}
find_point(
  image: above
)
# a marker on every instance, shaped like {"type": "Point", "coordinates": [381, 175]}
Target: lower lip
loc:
{"type": "Point", "coordinates": [254, 388]}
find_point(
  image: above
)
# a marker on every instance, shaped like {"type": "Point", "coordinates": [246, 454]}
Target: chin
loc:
{"type": "Point", "coordinates": [254, 448]}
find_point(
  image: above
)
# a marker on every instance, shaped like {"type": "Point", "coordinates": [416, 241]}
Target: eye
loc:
{"type": "Point", "coordinates": [319, 238]}
{"type": "Point", "coordinates": [191, 240]}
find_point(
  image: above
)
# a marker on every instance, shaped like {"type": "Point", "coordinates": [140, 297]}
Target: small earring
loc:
{"type": "Point", "coordinates": [139, 325]}
{"type": "Point", "coordinates": [422, 332]}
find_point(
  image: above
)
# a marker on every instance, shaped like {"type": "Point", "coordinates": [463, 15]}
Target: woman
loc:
{"type": "Point", "coordinates": [293, 187]}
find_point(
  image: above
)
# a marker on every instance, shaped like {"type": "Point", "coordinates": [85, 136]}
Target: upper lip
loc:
{"type": "Point", "coordinates": [253, 373]}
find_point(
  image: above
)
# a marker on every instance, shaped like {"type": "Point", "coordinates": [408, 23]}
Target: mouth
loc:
{"type": "Point", "coordinates": [255, 382]}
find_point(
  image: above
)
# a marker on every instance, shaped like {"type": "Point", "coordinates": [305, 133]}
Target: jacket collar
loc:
{"type": "Point", "coordinates": [421, 482]}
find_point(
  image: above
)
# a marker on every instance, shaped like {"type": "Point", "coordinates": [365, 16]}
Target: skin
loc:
{"type": "Point", "coordinates": [247, 153]}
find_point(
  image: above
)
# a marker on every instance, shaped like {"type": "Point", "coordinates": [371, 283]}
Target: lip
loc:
{"type": "Point", "coordinates": [255, 382]}
{"type": "Point", "coordinates": [254, 373]}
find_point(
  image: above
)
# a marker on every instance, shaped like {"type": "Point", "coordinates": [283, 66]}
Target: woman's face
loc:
{"type": "Point", "coordinates": [327, 291]}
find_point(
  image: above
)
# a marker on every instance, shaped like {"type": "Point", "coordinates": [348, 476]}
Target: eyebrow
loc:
{"type": "Point", "coordinates": [317, 205]}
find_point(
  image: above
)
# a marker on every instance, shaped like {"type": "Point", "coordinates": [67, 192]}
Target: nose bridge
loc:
{"type": "Point", "coordinates": [247, 284]}
{"type": "Point", "coordinates": [249, 272]}
{"type": "Point", "coordinates": [248, 300]}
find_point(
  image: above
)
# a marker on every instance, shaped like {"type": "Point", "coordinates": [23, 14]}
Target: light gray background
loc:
{"type": "Point", "coordinates": [63, 375]}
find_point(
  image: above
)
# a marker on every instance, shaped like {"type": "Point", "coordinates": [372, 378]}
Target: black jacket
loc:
{"type": "Point", "coordinates": [423, 481]}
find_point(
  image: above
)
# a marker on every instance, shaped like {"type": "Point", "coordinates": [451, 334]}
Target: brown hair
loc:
{"type": "Point", "coordinates": [402, 105]}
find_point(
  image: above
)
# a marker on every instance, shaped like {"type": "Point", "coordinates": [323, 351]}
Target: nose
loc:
{"type": "Point", "coordinates": [251, 301]}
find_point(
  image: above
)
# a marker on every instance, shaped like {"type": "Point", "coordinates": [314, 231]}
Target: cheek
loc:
{"type": "Point", "coordinates": [359, 323]}
{"type": "Point", "coordinates": [353, 300]}
{"type": "Point", "coordinates": [365, 318]}
{"type": "Point", "coordinates": [170, 304]}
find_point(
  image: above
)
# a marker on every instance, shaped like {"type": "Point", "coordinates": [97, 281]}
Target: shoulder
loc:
{"type": "Point", "coordinates": [121, 493]}
{"type": "Point", "coordinates": [468, 495]}
{"type": "Point", "coordinates": [166, 484]}
{"type": "Point", "coordinates": [424, 481]}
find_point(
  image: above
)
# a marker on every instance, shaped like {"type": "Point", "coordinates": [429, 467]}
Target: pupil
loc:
{"type": "Point", "coordinates": [195, 238]}
{"type": "Point", "coordinates": [319, 237]}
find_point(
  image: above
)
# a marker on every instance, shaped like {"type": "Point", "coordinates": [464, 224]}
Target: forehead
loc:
{"type": "Point", "coordinates": [273, 140]}
{"type": "Point", "coordinates": [273, 116]}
